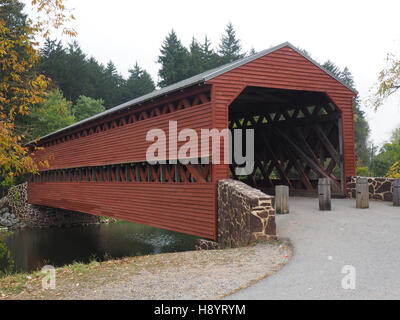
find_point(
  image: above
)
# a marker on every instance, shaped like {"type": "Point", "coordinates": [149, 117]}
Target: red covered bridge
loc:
{"type": "Point", "coordinates": [303, 121]}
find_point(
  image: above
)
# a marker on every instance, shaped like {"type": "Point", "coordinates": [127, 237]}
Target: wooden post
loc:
{"type": "Point", "coordinates": [362, 193]}
{"type": "Point", "coordinates": [282, 199]}
{"type": "Point", "coordinates": [396, 192]}
{"type": "Point", "coordinates": [324, 193]}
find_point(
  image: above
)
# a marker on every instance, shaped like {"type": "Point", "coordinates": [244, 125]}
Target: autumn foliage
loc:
{"type": "Point", "coordinates": [20, 86]}
{"type": "Point", "coordinates": [394, 171]}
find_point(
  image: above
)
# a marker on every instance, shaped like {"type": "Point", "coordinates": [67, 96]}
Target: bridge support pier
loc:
{"type": "Point", "coordinates": [245, 215]}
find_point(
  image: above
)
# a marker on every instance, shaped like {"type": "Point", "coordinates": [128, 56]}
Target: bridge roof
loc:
{"type": "Point", "coordinates": [195, 80]}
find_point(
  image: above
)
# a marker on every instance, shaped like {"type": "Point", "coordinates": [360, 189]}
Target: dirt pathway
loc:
{"type": "Point", "coordinates": [184, 275]}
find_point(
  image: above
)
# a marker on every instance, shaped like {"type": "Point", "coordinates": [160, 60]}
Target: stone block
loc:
{"type": "Point", "coordinates": [244, 214]}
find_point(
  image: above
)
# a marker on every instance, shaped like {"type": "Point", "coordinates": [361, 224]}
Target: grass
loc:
{"type": "Point", "coordinates": [80, 276]}
{"type": "Point", "coordinates": [77, 273]}
{"type": "Point", "coordinates": [279, 211]}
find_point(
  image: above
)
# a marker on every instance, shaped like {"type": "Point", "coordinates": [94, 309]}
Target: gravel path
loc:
{"type": "Point", "coordinates": [324, 242]}
{"type": "Point", "coordinates": [184, 275]}
{"type": "Point", "coordinates": [194, 275]}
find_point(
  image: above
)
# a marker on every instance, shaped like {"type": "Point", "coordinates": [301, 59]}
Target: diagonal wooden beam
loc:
{"type": "Point", "coordinates": [195, 173]}
{"type": "Point", "coordinates": [303, 176]}
{"type": "Point", "coordinates": [315, 165]}
{"type": "Point", "coordinates": [327, 144]}
{"type": "Point", "coordinates": [276, 163]}
{"type": "Point", "coordinates": [264, 172]}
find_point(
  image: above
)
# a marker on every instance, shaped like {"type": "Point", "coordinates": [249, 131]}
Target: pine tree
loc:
{"type": "Point", "coordinates": [361, 126]}
{"type": "Point", "coordinates": [230, 47]}
{"type": "Point", "coordinates": [196, 60]}
{"type": "Point", "coordinates": [138, 84]}
{"type": "Point", "coordinates": [96, 79]}
{"type": "Point", "coordinates": [332, 68]}
{"type": "Point", "coordinates": [210, 58]}
{"type": "Point", "coordinates": [77, 80]}
{"type": "Point", "coordinates": [115, 84]}
{"type": "Point", "coordinates": [174, 60]}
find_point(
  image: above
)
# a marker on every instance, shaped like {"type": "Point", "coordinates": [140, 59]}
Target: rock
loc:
{"type": "Point", "coordinates": [3, 210]}
{"type": "Point", "coordinates": [5, 222]}
{"type": "Point", "coordinates": [13, 216]}
{"type": "Point", "coordinates": [6, 215]}
{"type": "Point", "coordinates": [3, 202]}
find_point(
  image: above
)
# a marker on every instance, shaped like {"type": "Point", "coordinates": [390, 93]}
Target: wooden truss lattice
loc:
{"type": "Point", "coordinates": [293, 147]}
{"type": "Point", "coordinates": [129, 172]}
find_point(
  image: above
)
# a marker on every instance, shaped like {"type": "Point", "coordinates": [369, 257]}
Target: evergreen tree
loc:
{"type": "Point", "coordinates": [139, 83]}
{"type": "Point", "coordinates": [76, 75]}
{"type": "Point", "coordinates": [230, 47]}
{"type": "Point", "coordinates": [77, 80]}
{"type": "Point", "coordinates": [196, 60]}
{"type": "Point", "coordinates": [209, 57]}
{"type": "Point", "coordinates": [53, 62]}
{"type": "Point", "coordinates": [333, 68]}
{"type": "Point", "coordinates": [174, 60]}
{"type": "Point", "coordinates": [96, 83]}
{"type": "Point", "coordinates": [115, 84]}
{"type": "Point", "coordinates": [361, 126]}
{"type": "Point", "coordinates": [67, 67]}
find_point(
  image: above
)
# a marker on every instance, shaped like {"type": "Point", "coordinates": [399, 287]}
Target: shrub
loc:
{"type": "Point", "coordinates": [362, 171]}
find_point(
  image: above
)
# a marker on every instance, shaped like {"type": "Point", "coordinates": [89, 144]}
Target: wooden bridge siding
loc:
{"type": "Point", "coordinates": [283, 69]}
{"type": "Point", "coordinates": [182, 207]}
{"type": "Point", "coordinates": [123, 144]}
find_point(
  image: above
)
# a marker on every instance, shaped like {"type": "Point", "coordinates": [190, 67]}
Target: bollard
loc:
{"type": "Point", "coordinates": [362, 193]}
{"type": "Point", "coordinates": [324, 193]}
{"type": "Point", "coordinates": [282, 199]}
{"type": "Point", "coordinates": [396, 192]}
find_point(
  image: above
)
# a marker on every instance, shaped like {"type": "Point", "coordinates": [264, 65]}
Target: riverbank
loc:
{"type": "Point", "coordinates": [182, 275]}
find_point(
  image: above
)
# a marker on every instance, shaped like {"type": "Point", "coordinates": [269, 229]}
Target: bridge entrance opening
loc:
{"type": "Point", "coordinates": [297, 139]}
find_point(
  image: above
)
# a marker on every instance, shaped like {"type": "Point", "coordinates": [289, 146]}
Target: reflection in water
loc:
{"type": "Point", "coordinates": [32, 249]}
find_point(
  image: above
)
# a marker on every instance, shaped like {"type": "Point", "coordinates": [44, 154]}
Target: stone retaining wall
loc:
{"type": "Point", "coordinates": [379, 188]}
{"type": "Point", "coordinates": [40, 217]}
{"type": "Point", "coordinates": [245, 215]}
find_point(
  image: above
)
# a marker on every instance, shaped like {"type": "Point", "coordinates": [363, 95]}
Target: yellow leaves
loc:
{"type": "Point", "coordinates": [20, 86]}
{"type": "Point", "coordinates": [394, 171]}
{"type": "Point", "coordinates": [14, 158]}
{"type": "Point", "coordinates": [388, 82]}
{"type": "Point", "coordinates": [52, 15]}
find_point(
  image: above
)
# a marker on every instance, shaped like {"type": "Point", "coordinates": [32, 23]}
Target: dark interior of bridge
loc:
{"type": "Point", "coordinates": [297, 139]}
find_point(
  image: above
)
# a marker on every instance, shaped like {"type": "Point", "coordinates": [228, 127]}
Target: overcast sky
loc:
{"type": "Point", "coordinates": [356, 34]}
